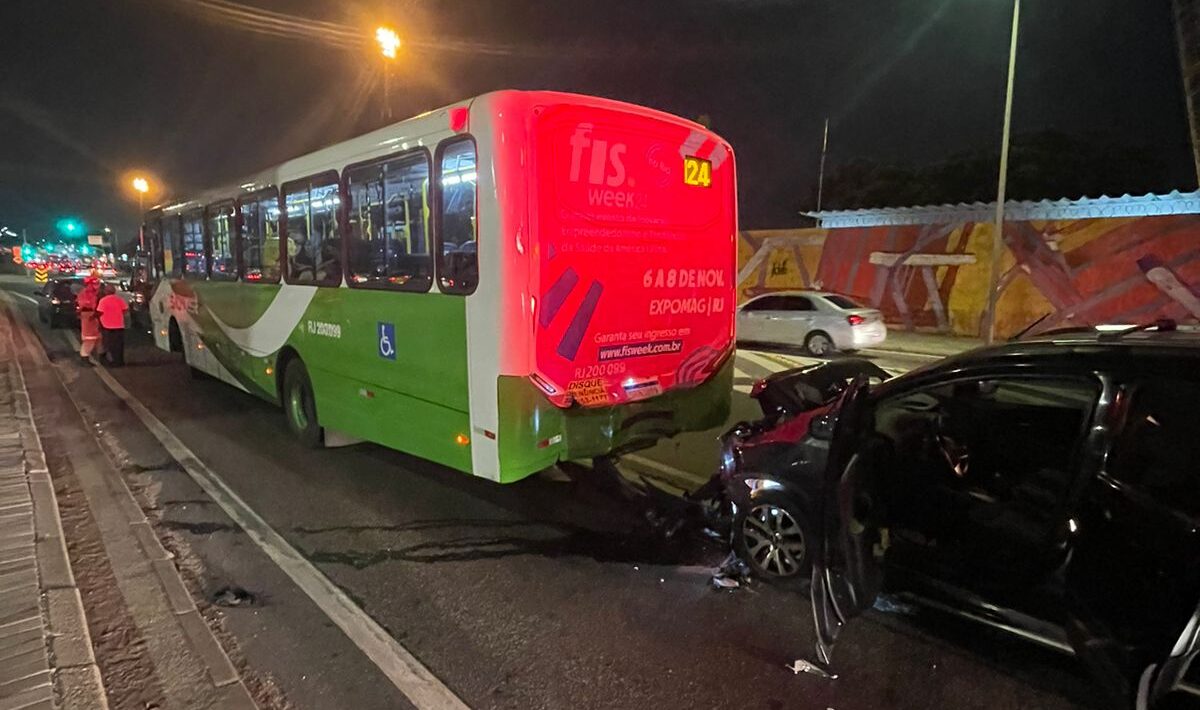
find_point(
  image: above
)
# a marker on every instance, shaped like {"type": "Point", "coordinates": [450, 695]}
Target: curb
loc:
{"type": "Point", "coordinates": [69, 642]}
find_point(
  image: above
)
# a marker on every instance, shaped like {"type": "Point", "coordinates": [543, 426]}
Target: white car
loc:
{"type": "Point", "coordinates": [820, 322]}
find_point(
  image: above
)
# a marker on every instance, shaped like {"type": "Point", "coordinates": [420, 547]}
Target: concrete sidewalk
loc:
{"type": "Point", "coordinates": [152, 647]}
{"type": "Point", "coordinates": [46, 657]}
{"type": "Point", "coordinates": [932, 344]}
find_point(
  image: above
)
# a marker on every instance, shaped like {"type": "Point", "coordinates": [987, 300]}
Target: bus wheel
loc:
{"type": "Point", "coordinates": [299, 405]}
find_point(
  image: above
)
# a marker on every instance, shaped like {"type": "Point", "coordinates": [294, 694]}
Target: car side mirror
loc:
{"type": "Point", "coordinates": [124, 285]}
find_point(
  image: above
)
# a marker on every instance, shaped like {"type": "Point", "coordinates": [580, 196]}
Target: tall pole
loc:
{"type": "Point", "coordinates": [998, 236]}
{"type": "Point", "coordinates": [821, 173]}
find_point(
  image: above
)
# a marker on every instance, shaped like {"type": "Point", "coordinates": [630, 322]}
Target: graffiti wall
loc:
{"type": "Point", "coordinates": [934, 277]}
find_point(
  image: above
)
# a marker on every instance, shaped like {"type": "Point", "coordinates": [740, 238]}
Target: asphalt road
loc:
{"type": "Point", "coordinates": [541, 594]}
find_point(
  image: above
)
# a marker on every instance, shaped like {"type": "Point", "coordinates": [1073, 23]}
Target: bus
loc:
{"type": "Point", "coordinates": [509, 282]}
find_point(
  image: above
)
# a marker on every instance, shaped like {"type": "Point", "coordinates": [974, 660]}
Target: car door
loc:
{"type": "Point", "coordinates": [791, 319]}
{"type": "Point", "coordinates": [752, 319]}
{"type": "Point", "coordinates": [847, 572]}
{"type": "Point", "coordinates": [1134, 581]}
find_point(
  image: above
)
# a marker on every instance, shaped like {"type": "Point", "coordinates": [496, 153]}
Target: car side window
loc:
{"type": "Point", "coordinates": [1157, 449]}
{"type": "Point", "coordinates": [972, 456]}
{"type": "Point", "coordinates": [757, 305]}
{"type": "Point", "coordinates": [795, 303]}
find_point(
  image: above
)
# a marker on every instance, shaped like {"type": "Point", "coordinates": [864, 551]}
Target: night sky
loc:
{"type": "Point", "coordinates": [92, 88]}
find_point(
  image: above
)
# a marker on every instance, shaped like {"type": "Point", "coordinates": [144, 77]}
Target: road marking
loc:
{"type": "Point", "coordinates": [876, 352]}
{"type": "Point", "coordinates": [412, 678]}
{"type": "Point", "coordinates": [758, 359]}
{"type": "Point", "coordinates": [31, 299]}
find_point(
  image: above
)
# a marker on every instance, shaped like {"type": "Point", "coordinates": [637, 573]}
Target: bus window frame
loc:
{"type": "Point", "coordinates": [437, 213]}
{"type": "Point", "coordinates": [255, 197]}
{"type": "Point", "coordinates": [346, 206]}
{"type": "Point", "coordinates": [230, 203]}
{"type": "Point", "coordinates": [185, 273]}
{"type": "Point", "coordinates": [338, 220]}
{"type": "Point", "coordinates": [154, 261]}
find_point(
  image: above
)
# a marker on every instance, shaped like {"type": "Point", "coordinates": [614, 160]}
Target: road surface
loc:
{"type": "Point", "coordinates": [541, 594]}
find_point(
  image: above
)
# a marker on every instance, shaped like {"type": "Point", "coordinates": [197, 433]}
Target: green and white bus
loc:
{"type": "Point", "coordinates": [518, 279]}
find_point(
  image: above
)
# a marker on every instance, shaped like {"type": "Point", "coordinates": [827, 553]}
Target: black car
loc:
{"type": "Point", "coordinates": [56, 301]}
{"type": "Point", "coordinates": [1048, 487]}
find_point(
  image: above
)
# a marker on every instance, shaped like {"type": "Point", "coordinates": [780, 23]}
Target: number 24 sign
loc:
{"type": "Point", "coordinates": [697, 171]}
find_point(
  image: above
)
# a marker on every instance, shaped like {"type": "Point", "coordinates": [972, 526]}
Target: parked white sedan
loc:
{"type": "Point", "coordinates": [820, 322]}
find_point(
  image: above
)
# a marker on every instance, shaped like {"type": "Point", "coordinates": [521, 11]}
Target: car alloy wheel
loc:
{"type": "Point", "coordinates": [774, 541]}
{"type": "Point", "coordinates": [818, 344]}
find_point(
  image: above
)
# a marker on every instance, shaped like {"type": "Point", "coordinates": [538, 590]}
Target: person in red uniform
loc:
{"type": "Point", "coordinates": [112, 310]}
{"type": "Point", "coordinates": [89, 325]}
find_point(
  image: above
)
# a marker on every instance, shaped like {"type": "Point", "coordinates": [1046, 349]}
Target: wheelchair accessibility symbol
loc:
{"type": "Point", "coordinates": [387, 340]}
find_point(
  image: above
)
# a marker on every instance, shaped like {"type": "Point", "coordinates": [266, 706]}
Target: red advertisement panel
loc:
{"type": "Point", "coordinates": [635, 226]}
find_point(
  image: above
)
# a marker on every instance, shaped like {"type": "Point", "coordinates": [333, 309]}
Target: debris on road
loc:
{"type": "Point", "coordinates": [233, 596]}
{"type": "Point", "coordinates": [732, 573]}
{"type": "Point", "coordinates": [802, 666]}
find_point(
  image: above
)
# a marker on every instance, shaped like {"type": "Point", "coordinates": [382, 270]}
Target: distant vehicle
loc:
{"type": "Point", "coordinates": [56, 301]}
{"type": "Point", "coordinates": [820, 322]}
{"type": "Point", "coordinates": [1047, 488]}
{"type": "Point", "coordinates": [515, 280]}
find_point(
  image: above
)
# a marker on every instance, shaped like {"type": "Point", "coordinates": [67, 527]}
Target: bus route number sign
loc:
{"type": "Point", "coordinates": [697, 171]}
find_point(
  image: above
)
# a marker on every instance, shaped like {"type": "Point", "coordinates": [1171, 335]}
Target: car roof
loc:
{"type": "Point", "coordinates": [1085, 351]}
{"type": "Point", "coordinates": [796, 293]}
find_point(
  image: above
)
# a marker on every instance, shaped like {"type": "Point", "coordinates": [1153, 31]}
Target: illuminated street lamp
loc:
{"type": "Point", "coordinates": [388, 41]}
{"type": "Point", "coordinates": [141, 185]}
{"type": "Point", "coordinates": [389, 44]}
{"type": "Point", "coordinates": [998, 237]}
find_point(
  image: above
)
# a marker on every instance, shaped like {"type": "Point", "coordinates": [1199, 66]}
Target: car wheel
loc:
{"type": "Point", "coordinates": [818, 343]}
{"type": "Point", "coordinates": [300, 406]}
{"type": "Point", "coordinates": [771, 536]}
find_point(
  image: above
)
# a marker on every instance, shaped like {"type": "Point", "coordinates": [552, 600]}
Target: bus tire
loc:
{"type": "Point", "coordinates": [300, 405]}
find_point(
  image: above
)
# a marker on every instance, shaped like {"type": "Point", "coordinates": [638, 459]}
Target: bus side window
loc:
{"type": "Point", "coordinates": [388, 237]}
{"type": "Point", "coordinates": [458, 258]}
{"type": "Point", "coordinates": [194, 264]}
{"type": "Point", "coordinates": [220, 241]}
{"type": "Point", "coordinates": [172, 246]}
{"type": "Point", "coordinates": [314, 250]}
{"type": "Point", "coordinates": [259, 237]}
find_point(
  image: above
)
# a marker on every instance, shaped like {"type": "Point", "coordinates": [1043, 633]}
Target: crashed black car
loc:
{"type": "Point", "coordinates": [1048, 487]}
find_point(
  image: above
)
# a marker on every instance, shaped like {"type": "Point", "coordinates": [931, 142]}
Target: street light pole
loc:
{"type": "Point", "coordinates": [998, 235]}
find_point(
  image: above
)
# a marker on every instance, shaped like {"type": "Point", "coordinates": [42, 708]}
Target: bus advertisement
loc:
{"type": "Point", "coordinates": [516, 280]}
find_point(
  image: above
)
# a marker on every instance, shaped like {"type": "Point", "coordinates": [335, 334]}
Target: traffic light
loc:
{"type": "Point", "coordinates": [70, 227]}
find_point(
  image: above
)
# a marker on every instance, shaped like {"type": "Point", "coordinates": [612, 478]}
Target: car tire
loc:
{"type": "Point", "coordinates": [300, 405]}
{"type": "Point", "coordinates": [819, 344]}
{"type": "Point", "coordinates": [772, 535]}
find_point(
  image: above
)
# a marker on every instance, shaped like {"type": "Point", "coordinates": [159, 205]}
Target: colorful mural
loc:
{"type": "Point", "coordinates": [1082, 270]}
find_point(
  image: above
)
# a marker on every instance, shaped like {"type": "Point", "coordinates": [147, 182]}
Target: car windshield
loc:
{"type": "Point", "coordinates": [842, 301]}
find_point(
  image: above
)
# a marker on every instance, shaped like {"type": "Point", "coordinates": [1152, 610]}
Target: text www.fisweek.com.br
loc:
{"type": "Point", "coordinates": [658, 347]}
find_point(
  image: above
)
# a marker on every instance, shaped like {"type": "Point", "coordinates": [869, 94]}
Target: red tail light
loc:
{"type": "Point", "coordinates": [855, 319]}
{"type": "Point", "coordinates": [759, 386]}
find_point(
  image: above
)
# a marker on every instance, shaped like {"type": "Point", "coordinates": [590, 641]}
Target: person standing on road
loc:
{"type": "Point", "coordinates": [112, 310]}
{"type": "Point", "coordinates": [89, 324]}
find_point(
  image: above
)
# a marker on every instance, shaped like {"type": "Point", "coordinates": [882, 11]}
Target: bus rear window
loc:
{"type": "Point", "coordinates": [458, 261]}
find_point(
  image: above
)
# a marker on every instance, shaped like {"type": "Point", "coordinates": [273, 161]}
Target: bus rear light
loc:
{"type": "Point", "coordinates": [855, 319]}
{"type": "Point", "coordinates": [270, 371]}
{"type": "Point", "coordinates": [462, 440]}
{"type": "Point", "coordinates": [544, 385]}
{"type": "Point", "coordinates": [458, 119]}
{"type": "Point", "coordinates": [163, 333]}
{"type": "Point", "coordinates": [547, 443]}
{"type": "Point", "coordinates": [489, 434]}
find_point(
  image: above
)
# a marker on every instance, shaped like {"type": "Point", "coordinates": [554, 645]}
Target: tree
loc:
{"type": "Point", "coordinates": [1043, 165]}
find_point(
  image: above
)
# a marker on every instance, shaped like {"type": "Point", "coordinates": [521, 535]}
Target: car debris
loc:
{"type": "Point", "coordinates": [802, 666]}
